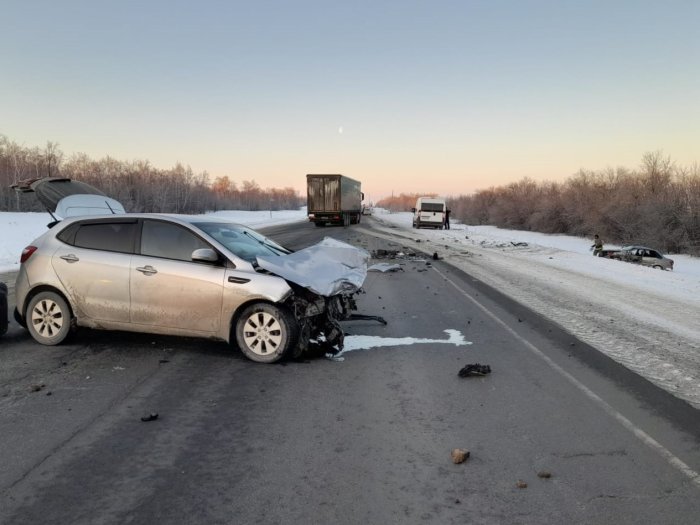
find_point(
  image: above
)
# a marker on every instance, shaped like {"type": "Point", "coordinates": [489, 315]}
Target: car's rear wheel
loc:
{"type": "Point", "coordinates": [49, 318]}
{"type": "Point", "coordinates": [3, 308]}
{"type": "Point", "coordinates": [266, 333]}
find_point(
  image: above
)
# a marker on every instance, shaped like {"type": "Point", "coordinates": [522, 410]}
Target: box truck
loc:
{"type": "Point", "coordinates": [334, 199]}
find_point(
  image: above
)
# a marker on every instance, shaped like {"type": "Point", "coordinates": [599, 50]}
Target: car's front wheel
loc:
{"type": "Point", "coordinates": [266, 333]}
{"type": "Point", "coordinates": [49, 318]}
{"type": "Point", "coordinates": [658, 267]}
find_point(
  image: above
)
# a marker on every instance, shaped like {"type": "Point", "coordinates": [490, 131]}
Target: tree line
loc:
{"type": "Point", "coordinates": [657, 205]}
{"type": "Point", "coordinates": [138, 185]}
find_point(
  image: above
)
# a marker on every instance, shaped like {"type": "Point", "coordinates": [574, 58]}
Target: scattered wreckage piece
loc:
{"type": "Point", "coordinates": [474, 370]}
{"type": "Point", "coordinates": [405, 253]}
{"type": "Point", "coordinates": [459, 455]}
{"type": "Point", "coordinates": [363, 317]}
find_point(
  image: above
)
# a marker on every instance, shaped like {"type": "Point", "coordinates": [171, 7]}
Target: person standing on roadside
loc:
{"type": "Point", "coordinates": [447, 218]}
{"type": "Point", "coordinates": [597, 245]}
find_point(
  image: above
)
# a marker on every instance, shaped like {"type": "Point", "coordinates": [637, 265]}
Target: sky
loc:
{"type": "Point", "coordinates": [406, 96]}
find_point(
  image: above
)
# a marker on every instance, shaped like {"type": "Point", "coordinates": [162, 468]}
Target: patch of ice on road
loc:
{"type": "Point", "coordinates": [367, 342]}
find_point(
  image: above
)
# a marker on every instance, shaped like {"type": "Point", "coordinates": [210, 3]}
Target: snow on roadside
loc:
{"type": "Point", "coordinates": [646, 319]}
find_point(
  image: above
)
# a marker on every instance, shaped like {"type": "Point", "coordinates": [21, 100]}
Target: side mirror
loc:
{"type": "Point", "coordinates": [205, 255]}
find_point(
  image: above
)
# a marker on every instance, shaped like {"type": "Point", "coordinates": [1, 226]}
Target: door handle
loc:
{"type": "Point", "coordinates": [238, 280]}
{"type": "Point", "coordinates": [146, 270]}
{"type": "Point", "coordinates": [71, 258]}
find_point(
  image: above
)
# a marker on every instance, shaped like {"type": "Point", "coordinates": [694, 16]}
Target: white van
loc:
{"type": "Point", "coordinates": [429, 213]}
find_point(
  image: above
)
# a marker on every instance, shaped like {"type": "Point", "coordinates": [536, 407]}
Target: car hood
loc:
{"type": "Point", "coordinates": [70, 198]}
{"type": "Point", "coordinates": [327, 268]}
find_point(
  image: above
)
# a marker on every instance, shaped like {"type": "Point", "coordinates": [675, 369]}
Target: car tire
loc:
{"type": "Point", "coordinates": [658, 267]}
{"type": "Point", "coordinates": [266, 333]}
{"type": "Point", "coordinates": [3, 308]}
{"type": "Point", "coordinates": [49, 318]}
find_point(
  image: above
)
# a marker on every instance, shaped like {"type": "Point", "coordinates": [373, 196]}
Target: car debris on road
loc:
{"type": "Point", "coordinates": [474, 370]}
{"type": "Point", "coordinates": [459, 455]}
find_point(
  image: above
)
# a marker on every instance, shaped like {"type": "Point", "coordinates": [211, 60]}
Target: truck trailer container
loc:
{"type": "Point", "coordinates": [334, 199]}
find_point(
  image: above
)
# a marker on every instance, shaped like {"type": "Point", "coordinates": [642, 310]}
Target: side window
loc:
{"type": "Point", "coordinates": [107, 236]}
{"type": "Point", "coordinates": [169, 241]}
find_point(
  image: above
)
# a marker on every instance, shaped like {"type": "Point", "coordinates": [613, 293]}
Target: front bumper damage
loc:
{"type": "Point", "coordinates": [325, 279]}
{"type": "Point", "coordinates": [319, 317]}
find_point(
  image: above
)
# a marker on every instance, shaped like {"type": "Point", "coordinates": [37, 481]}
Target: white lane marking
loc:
{"type": "Point", "coordinates": [626, 423]}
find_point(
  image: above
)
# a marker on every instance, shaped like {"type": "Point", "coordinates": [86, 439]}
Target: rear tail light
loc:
{"type": "Point", "coordinates": [27, 253]}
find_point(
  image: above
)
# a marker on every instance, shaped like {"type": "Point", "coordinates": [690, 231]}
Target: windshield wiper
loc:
{"type": "Point", "coordinates": [264, 242]}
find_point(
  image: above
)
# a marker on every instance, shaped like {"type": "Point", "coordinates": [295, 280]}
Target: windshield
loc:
{"type": "Point", "coordinates": [243, 242]}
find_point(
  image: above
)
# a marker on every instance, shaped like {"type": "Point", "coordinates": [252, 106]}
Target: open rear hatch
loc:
{"type": "Point", "coordinates": [69, 198]}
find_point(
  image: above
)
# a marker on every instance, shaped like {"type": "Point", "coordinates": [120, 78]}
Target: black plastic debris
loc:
{"type": "Point", "coordinates": [385, 254]}
{"type": "Point", "coordinates": [150, 417]}
{"type": "Point", "coordinates": [435, 256]}
{"type": "Point", "coordinates": [474, 370]}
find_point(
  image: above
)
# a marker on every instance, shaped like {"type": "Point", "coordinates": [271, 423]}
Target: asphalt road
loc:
{"type": "Point", "coordinates": [366, 439]}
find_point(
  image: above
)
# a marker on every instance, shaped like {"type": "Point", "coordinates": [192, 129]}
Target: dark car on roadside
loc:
{"type": "Point", "coordinates": [3, 308]}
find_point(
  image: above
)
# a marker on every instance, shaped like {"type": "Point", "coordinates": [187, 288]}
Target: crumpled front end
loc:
{"type": "Point", "coordinates": [319, 320]}
{"type": "Point", "coordinates": [327, 268]}
{"type": "Point", "coordinates": [325, 278]}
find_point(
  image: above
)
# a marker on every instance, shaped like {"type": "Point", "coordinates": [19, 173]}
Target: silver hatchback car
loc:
{"type": "Point", "coordinates": [189, 276]}
{"type": "Point", "coordinates": [644, 256]}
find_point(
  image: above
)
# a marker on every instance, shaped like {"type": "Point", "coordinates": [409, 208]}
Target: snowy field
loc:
{"type": "Point", "coordinates": [646, 319]}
